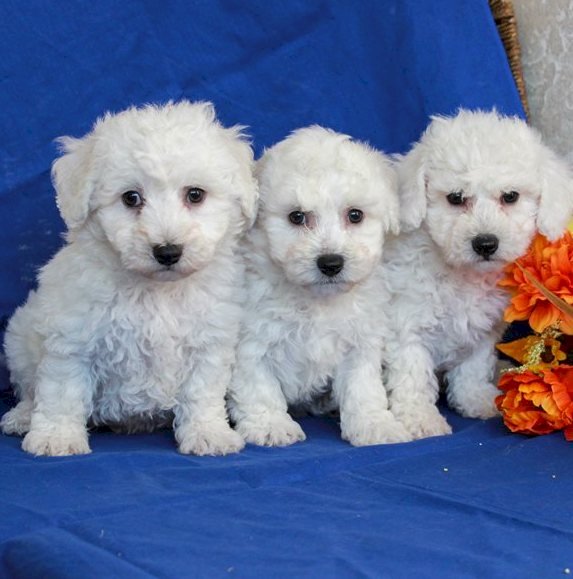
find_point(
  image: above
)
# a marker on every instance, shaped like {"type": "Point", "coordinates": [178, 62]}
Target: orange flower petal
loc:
{"type": "Point", "coordinates": [538, 403]}
{"type": "Point", "coordinates": [516, 349]}
{"type": "Point", "coordinates": [543, 316]}
{"type": "Point", "coordinates": [548, 264]}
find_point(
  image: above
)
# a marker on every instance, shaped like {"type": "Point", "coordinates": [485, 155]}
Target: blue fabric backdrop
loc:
{"type": "Point", "coordinates": [479, 503]}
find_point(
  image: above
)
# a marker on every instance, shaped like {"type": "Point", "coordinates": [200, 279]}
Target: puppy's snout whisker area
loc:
{"type": "Point", "coordinates": [330, 264]}
{"type": "Point", "coordinates": [168, 254]}
{"type": "Point", "coordinates": [485, 245]}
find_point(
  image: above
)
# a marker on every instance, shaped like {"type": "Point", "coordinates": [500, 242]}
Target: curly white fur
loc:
{"type": "Point", "coordinates": [305, 333]}
{"type": "Point", "coordinates": [446, 309]}
{"type": "Point", "coordinates": [112, 335]}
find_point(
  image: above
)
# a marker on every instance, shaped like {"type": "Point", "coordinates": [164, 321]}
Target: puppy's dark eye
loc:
{"type": "Point", "coordinates": [355, 215]}
{"type": "Point", "coordinates": [132, 199]}
{"type": "Point", "coordinates": [195, 195]}
{"type": "Point", "coordinates": [456, 198]}
{"type": "Point", "coordinates": [509, 197]}
{"type": "Point", "coordinates": [297, 217]}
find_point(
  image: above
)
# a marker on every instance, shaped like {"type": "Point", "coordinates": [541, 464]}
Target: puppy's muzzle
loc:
{"type": "Point", "coordinates": [330, 264]}
{"type": "Point", "coordinates": [167, 254]}
{"type": "Point", "coordinates": [485, 245]}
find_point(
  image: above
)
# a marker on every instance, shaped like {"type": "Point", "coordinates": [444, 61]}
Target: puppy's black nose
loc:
{"type": "Point", "coordinates": [167, 254]}
{"type": "Point", "coordinates": [485, 245]}
{"type": "Point", "coordinates": [330, 264]}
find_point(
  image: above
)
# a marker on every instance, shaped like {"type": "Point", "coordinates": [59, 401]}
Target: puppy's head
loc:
{"type": "Point", "coordinates": [326, 205]}
{"type": "Point", "coordinates": [163, 185]}
{"type": "Point", "coordinates": [483, 184]}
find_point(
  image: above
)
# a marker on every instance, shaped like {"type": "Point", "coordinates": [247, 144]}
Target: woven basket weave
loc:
{"type": "Point", "coordinates": [504, 16]}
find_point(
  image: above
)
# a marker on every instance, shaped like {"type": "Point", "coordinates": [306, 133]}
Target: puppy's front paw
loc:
{"type": "Point", "coordinates": [369, 430]}
{"type": "Point", "coordinates": [474, 401]}
{"type": "Point", "coordinates": [487, 410]}
{"type": "Point", "coordinates": [422, 420]}
{"type": "Point", "coordinates": [209, 440]}
{"type": "Point", "coordinates": [58, 441]}
{"type": "Point", "coordinates": [274, 430]}
{"type": "Point", "coordinates": [17, 420]}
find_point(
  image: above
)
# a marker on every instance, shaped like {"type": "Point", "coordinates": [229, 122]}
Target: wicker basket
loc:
{"type": "Point", "coordinates": [504, 16]}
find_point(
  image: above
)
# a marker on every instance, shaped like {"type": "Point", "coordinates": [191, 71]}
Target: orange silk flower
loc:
{"type": "Point", "coordinates": [551, 264]}
{"type": "Point", "coordinates": [538, 403]}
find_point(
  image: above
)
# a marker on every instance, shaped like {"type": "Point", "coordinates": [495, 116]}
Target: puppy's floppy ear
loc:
{"type": "Point", "coordinates": [412, 187]}
{"type": "Point", "coordinates": [556, 202]}
{"type": "Point", "coordinates": [388, 174]}
{"type": "Point", "coordinates": [393, 212]}
{"type": "Point", "coordinates": [71, 179]}
{"type": "Point", "coordinates": [243, 179]}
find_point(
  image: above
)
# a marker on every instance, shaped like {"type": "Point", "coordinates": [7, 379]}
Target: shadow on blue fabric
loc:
{"type": "Point", "coordinates": [481, 502]}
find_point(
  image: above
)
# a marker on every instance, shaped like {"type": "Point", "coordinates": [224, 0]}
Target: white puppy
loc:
{"type": "Point", "coordinates": [480, 185]}
{"type": "Point", "coordinates": [136, 319]}
{"type": "Point", "coordinates": [315, 319]}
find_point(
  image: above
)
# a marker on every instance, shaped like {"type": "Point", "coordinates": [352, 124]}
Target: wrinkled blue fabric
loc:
{"type": "Point", "coordinates": [480, 503]}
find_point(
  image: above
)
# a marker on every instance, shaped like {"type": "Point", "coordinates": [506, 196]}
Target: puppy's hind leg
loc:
{"type": "Point", "coordinates": [24, 348]}
{"type": "Point", "coordinates": [413, 389]}
{"type": "Point", "coordinates": [17, 420]}
{"type": "Point", "coordinates": [470, 389]}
